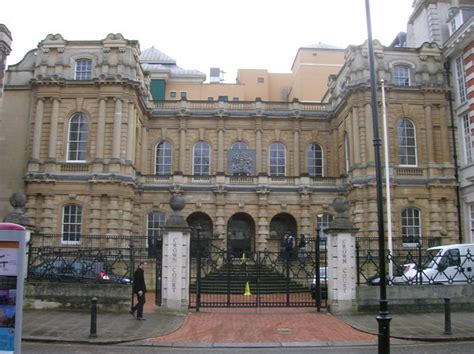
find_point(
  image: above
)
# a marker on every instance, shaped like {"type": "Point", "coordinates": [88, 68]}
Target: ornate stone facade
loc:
{"type": "Point", "coordinates": [113, 179]}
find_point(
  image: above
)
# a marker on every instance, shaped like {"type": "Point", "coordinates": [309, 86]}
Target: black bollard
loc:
{"type": "Point", "coordinates": [447, 316]}
{"type": "Point", "coordinates": [93, 333]}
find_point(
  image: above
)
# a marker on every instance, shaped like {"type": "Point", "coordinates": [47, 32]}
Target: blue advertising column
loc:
{"type": "Point", "coordinates": [12, 269]}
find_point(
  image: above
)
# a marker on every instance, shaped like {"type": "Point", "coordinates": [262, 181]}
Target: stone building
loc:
{"type": "Point", "coordinates": [100, 135]}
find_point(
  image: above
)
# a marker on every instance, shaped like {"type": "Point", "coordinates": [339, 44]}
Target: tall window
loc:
{"type": "Point", "coordinates": [406, 143]}
{"type": "Point", "coordinates": [83, 69]}
{"type": "Point", "coordinates": [277, 159]}
{"type": "Point", "coordinates": [401, 75]}
{"type": "Point", "coordinates": [467, 138]}
{"type": "Point", "coordinates": [155, 223]}
{"type": "Point", "coordinates": [163, 158]}
{"type": "Point", "coordinates": [322, 222]}
{"type": "Point", "coordinates": [461, 79]}
{"type": "Point", "coordinates": [411, 225]}
{"type": "Point", "coordinates": [72, 219]}
{"type": "Point", "coordinates": [77, 143]}
{"type": "Point", "coordinates": [314, 160]}
{"type": "Point", "coordinates": [201, 159]}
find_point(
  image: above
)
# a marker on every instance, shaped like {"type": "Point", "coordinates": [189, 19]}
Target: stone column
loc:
{"type": "Point", "coordinates": [296, 152]}
{"type": "Point", "coordinates": [99, 145]}
{"type": "Point", "coordinates": [341, 261]}
{"type": "Point", "coordinates": [144, 151]}
{"type": "Point", "coordinates": [369, 134]}
{"type": "Point", "coordinates": [220, 150]}
{"type": "Point", "coordinates": [37, 129]}
{"type": "Point", "coordinates": [176, 259]}
{"type": "Point", "coordinates": [130, 132]}
{"type": "Point", "coordinates": [53, 131]}
{"type": "Point", "coordinates": [117, 131]}
{"type": "Point", "coordinates": [182, 146]}
{"type": "Point", "coordinates": [356, 136]}
{"type": "Point", "coordinates": [258, 151]}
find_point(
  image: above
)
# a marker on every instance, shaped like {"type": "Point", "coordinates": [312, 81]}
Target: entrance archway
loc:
{"type": "Point", "coordinates": [282, 223]}
{"type": "Point", "coordinates": [240, 235]}
{"type": "Point", "coordinates": [203, 220]}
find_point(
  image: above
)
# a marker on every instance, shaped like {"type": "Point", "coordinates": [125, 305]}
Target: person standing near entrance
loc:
{"type": "Point", "coordinates": [289, 245]}
{"type": "Point", "coordinates": [302, 249]}
{"type": "Point", "coordinates": [139, 289]}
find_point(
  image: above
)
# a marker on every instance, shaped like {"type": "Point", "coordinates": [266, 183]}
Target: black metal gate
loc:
{"type": "Point", "coordinates": [261, 279]}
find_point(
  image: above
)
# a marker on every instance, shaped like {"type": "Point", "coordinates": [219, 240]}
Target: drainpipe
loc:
{"type": "Point", "coordinates": [455, 154]}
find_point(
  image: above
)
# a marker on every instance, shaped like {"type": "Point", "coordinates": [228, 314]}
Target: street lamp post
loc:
{"type": "Point", "coordinates": [383, 318]}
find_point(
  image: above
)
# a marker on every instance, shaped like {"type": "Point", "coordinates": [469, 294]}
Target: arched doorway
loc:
{"type": "Point", "coordinates": [282, 223]}
{"type": "Point", "coordinates": [203, 220]}
{"type": "Point", "coordinates": [240, 235]}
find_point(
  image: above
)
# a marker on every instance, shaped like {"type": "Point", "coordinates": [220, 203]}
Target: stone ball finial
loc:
{"type": "Point", "coordinates": [340, 205]}
{"type": "Point", "coordinates": [18, 200]}
{"type": "Point", "coordinates": [177, 203]}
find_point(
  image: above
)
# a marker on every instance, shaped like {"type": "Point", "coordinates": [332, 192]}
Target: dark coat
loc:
{"type": "Point", "coordinates": [139, 281]}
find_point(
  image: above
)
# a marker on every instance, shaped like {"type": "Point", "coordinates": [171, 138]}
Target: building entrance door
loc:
{"type": "Point", "coordinates": [240, 235]}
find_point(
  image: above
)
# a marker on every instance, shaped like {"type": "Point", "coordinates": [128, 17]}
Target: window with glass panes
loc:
{"type": "Point", "coordinates": [401, 75]}
{"type": "Point", "coordinates": [467, 137]}
{"type": "Point", "coordinates": [77, 137]}
{"type": "Point", "coordinates": [411, 225]}
{"type": "Point", "coordinates": [314, 160]}
{"type": "Point", "coordinates": [155, 223]}
{"type": "Point", "coordinates": [406, 143]}
{"type": "Point", "coordinates": [163, 158]}
{"type": "Point", "coordinates": [277, 159]}
{"type": "Point", "coordinates": [201, 159]}
{"type": "Point", "coordinates": [71, 226]}
{"type": "Point", "coordinates": [322, 222]}
{"type": "Point", "coordinates": [83, 69]}
{"type": "Point", "coordinates": [461, 79]}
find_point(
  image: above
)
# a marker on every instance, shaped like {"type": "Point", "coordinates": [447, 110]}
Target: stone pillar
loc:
{"type": "Point", "coordinates": [258, 147]}
{"type": "Point", "coordinates": [117, 130]}
{"type": "Point", "coordinates": [356, 136]}
{"type": "Point", "coordinates": [37, 129]}
{"type": "Point", "coordinates": [296, 152]}
{"type": "Point", "coordinates": [99, 146]}
{"type": "Point", "coordinates": [130, 132]}
{"type": "Point", "coordinates": [144, 140]}
{"type": "Point", "coordinates": [220, 150]}
{"type": "Point", "coordinates": [53, 131]}
{"type": "Point", "coordinates": [182, 150]}
{"type": "Point", "coordinates": [176, 259]}
{"type": "Point", "coordinates": [341, 261]}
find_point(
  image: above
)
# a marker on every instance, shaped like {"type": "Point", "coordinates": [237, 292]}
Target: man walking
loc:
{"type": "Point", "coordinates": [139, 288]}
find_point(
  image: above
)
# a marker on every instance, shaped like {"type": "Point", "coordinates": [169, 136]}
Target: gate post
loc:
{"type": "Point", "coordinates": [176, 259]}
{"type": "Point", "coordinates": [341, 260]}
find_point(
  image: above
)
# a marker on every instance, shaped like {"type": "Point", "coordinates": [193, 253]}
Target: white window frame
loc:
{"type": "Point", "coordinates": [198, 167]}
{"type": "Point", "coordinates": [460, 79]}
{"type": "Point", "coordinates": [183, 95]}
{"type": "Point", "coordinates": [155, 222]}
{"type": "Point", "coordinates": [162, 167]}
{"type": "Point", "coordinates": [172, 94]}
{"type": "Point", "coordinates": [83, 69]}
{"type": "Point", "coordinates": [67, 224]}
{"type": "Point", "coordinates": [467, 138]}
{"type": "Point", "coordinates": [314, 162]}
{"type": "Point", "coordinates": [406, 147]}
{"type": "Point", "coordinates": [411, 225]}
{"type": "Point", "coordinates": [401, 80]}
{"type": "Point", "coordinates": [274, 165]}
{"type": "Point", "coordinates": [81, 139]}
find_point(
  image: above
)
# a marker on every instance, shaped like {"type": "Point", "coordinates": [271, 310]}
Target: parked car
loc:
{"type": "Point", "coordinates": [323, 280]}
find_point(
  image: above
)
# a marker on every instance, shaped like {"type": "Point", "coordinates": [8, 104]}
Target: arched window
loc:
{"type": "Point", "coordinates": [314, 160]}
{"type": "Point", "coordinates": [406, 135]}
{"type": "Point", "coordinates": [83, 69]}
{"type": "Point", "coordinates": [201, 159]}
{"type": "Point", "coordinates": [155, 223]}
{"type": "Point", "coordinates": [163, 158]}
{"type": "Point", "coordinates": [277, 160]}
{"type": "Point", "coordinates": [322, 222]}
{"type": "Point", "coordinates": [401, 75]}
{"type": "Point", "coordinates": [411, 225]}
{"type": "Point", "coordinates": [77, 138]}
{"type": "Point", "coordinates": [239, 145]}
{"type": "Point", "coordinates": [71, 226]}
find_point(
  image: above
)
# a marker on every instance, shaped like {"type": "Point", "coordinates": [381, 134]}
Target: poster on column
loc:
{"type": "Point", "coordinates": [8, 283]}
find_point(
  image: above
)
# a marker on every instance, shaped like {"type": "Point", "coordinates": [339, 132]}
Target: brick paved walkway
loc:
{"type": "Point", "coordinates": [263, 325]}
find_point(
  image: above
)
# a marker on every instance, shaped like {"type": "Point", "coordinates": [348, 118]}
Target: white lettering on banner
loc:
{"type": "Point", "coordinates": [174, 263]}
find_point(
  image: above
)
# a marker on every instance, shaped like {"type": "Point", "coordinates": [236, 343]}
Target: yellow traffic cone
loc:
{"type": "Point", "coordinates": [247, 290]}
{"type": "Point", "coordinates": [243, 260]}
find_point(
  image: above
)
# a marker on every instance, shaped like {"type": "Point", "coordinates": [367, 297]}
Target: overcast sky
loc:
{"type": "Point", "coordinates": [199, 34]}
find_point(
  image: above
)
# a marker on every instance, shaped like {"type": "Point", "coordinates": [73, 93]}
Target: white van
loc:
{"type": "Point", "coordinates": [449, 264]}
